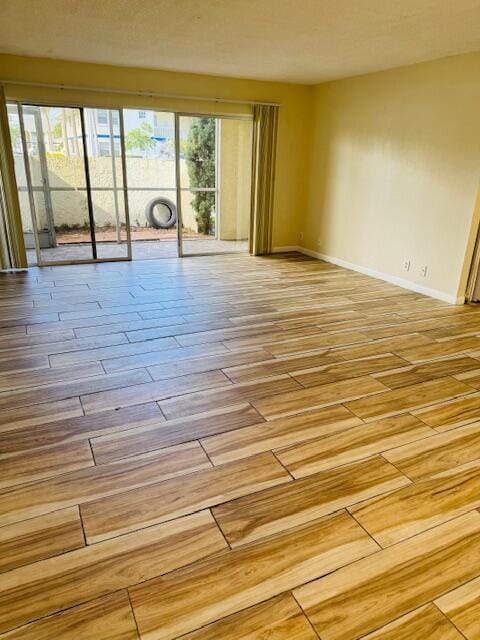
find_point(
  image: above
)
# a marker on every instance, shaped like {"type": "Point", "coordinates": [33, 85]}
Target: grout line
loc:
{"type": "Point", "coordinates": [95, 463]}
{"type": "Point", "coordinates": [81, 405]}
{"type": "Point", "coordinates": [127, 589]}
{"type": "Point", "coordinates": [412, 481]}
{"type": "Point", "coordinates": [304, 613]}
{"type": "Point", "coordinates": [82, 525]}
{"type": "Point", "coordinates": [380, 548]}
{"type": "Point", "coordinates": [220, 528]}
{"type": "Point", "coordinates": [204, 450]}
{"type": "Point", "coordinates": [281, 463]}
{"type": "Point", "coordinates": [433, 603]}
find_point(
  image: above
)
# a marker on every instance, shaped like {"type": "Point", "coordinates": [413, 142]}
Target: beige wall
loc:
{"type": "Point", "coordinates": [394, 173]}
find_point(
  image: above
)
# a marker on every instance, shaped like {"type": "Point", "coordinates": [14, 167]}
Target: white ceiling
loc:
{"type": "Point", "coordinates": [305, 41]}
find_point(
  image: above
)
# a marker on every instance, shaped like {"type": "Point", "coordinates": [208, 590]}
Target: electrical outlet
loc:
{"type": "Point", "coordinates": [406, 265]}
{"type": "Point", "coordinates": [424, 270]}
{"type": "Point", "coordinates": [301, 235]}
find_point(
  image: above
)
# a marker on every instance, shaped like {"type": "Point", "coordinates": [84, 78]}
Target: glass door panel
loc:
{"type": "Point", "coordinates": [21, 179]}
{"type": "Point", "coordinates": [105, 168]}
{"type": "Point", "coordinates": [198, 181]}
{"type": "Point", "coordinates": [54, 153]}
{"type": "Point", "coordinates": [152, 197]}
{"type": "Point", "coordinates": [70, 175]}
{"type": "Point", "coordinates": [215, 176]}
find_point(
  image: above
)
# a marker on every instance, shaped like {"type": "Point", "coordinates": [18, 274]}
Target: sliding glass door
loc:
{"type": "Point", "coordinates": [71, 179]}
{"type": "Point", "coordinates": [100, 184]}
{"type": "Point", "coordinates": [215, 183]}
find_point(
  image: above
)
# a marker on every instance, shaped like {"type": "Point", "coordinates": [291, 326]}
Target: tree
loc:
{"type": "Point", "coordinates": [200, 158]}
{"type": "Point", "coordinates": [140, 138]}
{"type": "Point", "coordinates": [58, 134]}
{"type": "Point", "coordinates": [15, 136]}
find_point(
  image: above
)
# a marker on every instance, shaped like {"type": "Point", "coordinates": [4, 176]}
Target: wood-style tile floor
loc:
{"type": "Point", "coordinates": [228, 448]}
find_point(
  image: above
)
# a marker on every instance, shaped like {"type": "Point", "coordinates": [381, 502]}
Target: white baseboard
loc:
{"type": "Point", "coordinates": [400, 282]}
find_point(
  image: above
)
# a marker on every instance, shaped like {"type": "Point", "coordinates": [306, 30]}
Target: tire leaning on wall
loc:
{"type": "Point", "coordinates": [153, 221]}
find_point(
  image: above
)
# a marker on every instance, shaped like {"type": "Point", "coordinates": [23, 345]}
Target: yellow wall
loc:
{"type": "Point", "coordinates": [290, 188]}
{"type": "Point", "coordinates": [394, 172]}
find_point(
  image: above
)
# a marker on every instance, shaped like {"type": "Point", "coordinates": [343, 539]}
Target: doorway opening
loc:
{"type": "Point", "coordinates": [100, 184]}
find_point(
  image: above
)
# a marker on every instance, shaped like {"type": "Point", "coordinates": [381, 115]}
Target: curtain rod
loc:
{"type": "Point", "coordinates": [144, 94]}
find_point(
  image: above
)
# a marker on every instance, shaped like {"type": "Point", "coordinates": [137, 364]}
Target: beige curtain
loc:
{"type": "Point", "coordinates": [265, 125]}
{"type": "Point", "coordinates": [473, 274]}
{"type": "Point", "coordinates": [475, 263]}
{"type": "Point", "coordinates": [12, 246]}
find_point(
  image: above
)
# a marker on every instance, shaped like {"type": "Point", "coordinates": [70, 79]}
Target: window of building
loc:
{"type": "Point", "coordinates": [102, 116]}
{"type": "Point", "coordinates": [104, 147]}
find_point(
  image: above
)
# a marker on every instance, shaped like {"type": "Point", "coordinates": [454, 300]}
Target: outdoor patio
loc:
{"type": "Point", "coordinates": [141, 249]}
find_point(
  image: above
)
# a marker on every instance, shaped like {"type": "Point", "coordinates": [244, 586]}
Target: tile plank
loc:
{"type": "Point", "coordinates": [23, 364]}
{"type": "Point", "coordinates": [388, 345]}
{"type": "Point", "coordinates": [108, 618]}
{"type": "Point", "coordinates": [54, 461]}
{"type": "Point", "coordinates": [148, 438]}
{"type": "Point", "coordinates": [209, 363]}
{"type": "Point", "coordinates": [448, 415]}
{"type": "Point", "coordinates": [76, 487]}
{"type": "Point", "coordinates": [277, 366]}
{"type": "Point", "coordinates": [278, 433]}
{"type": "Point", "coordinates": [151, 391]}
{"type": "Point", "coordinates": [426, 622]}
{"type": "Point", "coordinates": [32, 415]}
{"type": "Point", "coordinates": [68, 348]}
{"type": "Point", "coordinates": [178, 602]}
{"type": "Point", "coordinates": [317, 397]}
{"type": "Point", "coordinates": [118, 348]}
{"type": "Point", "coordinates": [414, 374]}
{"type": "Point", "coordinates": [309, 343]}
{"type": "Point", "coordinates": [462, 606]}
{"type": "Point", "coordinates": [155, 503]}
{"type": "Point", "coordinates": [80, 427]}
{"type": "Point", "coordinates": [45, 376]}
{"type": "Point", "coordinates": [420, 506]}
{"type": "Point", "coordinates": [62, 390]}
{"type": "Point", "coordinates": [408, 398]}
{"type": "Point", "coordinates": [437, 453]}
{"type": "Point", "coordinates": [270, 511]}
{"type": "Point", "coordinates": [369, 593]}
{"type": "Point", "coordinates": [202, 401]}
{"type": "Point", "coordinates": [441, 349]}
{"type": "Point", "coordinates": [277, 619]}
{"type": "Point", "coordinates": [353, 444]}
{"type": "Point", "coordinates": [167, 357]}
{"type": "Point", "coordinates": [348, 370]}
{"type": "Point", "coordinates": [39, 538]}
{"type": "Point", "coordinates": [55, 584]}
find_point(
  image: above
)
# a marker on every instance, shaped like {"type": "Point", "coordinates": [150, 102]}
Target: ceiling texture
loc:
{"type": "Point", "coordinates": [300, 41]}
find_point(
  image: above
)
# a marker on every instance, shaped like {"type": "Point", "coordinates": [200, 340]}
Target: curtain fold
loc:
{"type": "Point", "coordinates": [473, 273]}
{"type": "Point", "coordinates": [12, 246]}
{"type": "Point", "coordinates": [265, 126]}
